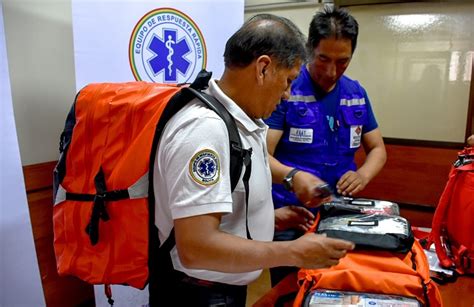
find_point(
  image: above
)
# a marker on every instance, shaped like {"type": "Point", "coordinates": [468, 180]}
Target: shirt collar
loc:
{"type": "Point", "coordinates": [234, 109]}
{"type": "Point", "coordinates": [318, 92]}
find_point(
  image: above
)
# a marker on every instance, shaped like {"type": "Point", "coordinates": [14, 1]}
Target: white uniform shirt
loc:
{"type": "Point", "coordinates": [182, 189]}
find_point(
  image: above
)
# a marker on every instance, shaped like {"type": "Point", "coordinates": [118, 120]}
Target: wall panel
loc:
{"type": "Point", "coordinates": [415, 60]}
{"type": "Point", "coordinates": [58, 291]}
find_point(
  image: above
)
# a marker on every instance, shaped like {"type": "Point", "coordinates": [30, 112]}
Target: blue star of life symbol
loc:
{"type": "Point", "coordinates": [169, 55]}
{"type": "Point", "coordinates": [207, 167]}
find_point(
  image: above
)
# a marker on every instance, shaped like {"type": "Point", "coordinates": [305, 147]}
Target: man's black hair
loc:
{"type": "Point", "coordinates": [332, 22]}
{"type": "Point", "coordinates": [265, 34]}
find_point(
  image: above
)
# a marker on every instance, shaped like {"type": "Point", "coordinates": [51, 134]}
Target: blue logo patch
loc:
{"type": "Point", "coordinates": [204, 167]}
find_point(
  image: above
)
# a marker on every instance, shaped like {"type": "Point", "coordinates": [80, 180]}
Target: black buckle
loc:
{"type": "Point", "coordinates": [463, 160]}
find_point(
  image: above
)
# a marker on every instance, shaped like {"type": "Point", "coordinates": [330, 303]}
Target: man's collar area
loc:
{"type": "Point", "coordinates": [234, 109]}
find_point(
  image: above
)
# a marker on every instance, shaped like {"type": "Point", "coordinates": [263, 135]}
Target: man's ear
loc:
{"type": "Point", "coordinates": [262, 66]}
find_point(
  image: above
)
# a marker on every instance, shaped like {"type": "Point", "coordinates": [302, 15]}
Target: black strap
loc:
{"type": "Point", "coordinates": [60, 169]}
{"type": "Point", "coordinates": [443, 278]}
{"type": "Point", "coordinates": [107, 196]}
{"type": "Point", "coordinates": [179, 100]}
{"type": "Point", "coordinates": [247, 159]}
{"type": "Point", "coordinates": [98, 210]}
{"type": "Point", "coordinates": [160, 260]}
{"type": "Point", "coordinates": [237, 153]}
{"type": "Point", "coordinates": [202, 80]}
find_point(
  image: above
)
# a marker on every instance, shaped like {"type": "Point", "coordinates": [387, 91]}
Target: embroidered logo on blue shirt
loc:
{"type": "Point", "coordinates": [330, 122]}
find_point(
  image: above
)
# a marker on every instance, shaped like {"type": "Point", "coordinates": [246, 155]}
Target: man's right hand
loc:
{"type": "Point", "coordinates": [304, 187]}
{"type": "Point", "coordinates": [315, 251]}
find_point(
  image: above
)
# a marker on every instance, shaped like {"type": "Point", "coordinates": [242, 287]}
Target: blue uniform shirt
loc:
{"type": "Point", "coordinates": [321, 131]}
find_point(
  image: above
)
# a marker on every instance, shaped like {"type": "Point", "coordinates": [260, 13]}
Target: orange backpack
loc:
{"type": "Point", "coordinates": [453, 224]}
{"type": "Point", "coordinates": [103, 214]}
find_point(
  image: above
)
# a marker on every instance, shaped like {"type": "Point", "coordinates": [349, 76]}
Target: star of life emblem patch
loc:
{"type": "Point", "coordinates": [166, 46]}
{"type": "Point", "coordinates": [204, 167]}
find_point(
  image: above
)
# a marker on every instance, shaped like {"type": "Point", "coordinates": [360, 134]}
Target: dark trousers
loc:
{"type": "Point", "coordinates": [182, 290]}
{"type": "Point", "coordinates": [278, 273]}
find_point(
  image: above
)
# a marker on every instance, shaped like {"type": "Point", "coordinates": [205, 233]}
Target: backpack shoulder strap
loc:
{"type": "Point", "coordinates": [238, 155]}
{"type": "Point", "coordinates": [65, 139]}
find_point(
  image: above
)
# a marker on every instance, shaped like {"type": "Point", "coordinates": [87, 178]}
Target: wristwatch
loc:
{"type": "Point", "coordinates": [288, 180]}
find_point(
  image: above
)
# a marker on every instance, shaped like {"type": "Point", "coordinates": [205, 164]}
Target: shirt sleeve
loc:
{"type": "Point", "coordinates": [277, 119]}
{"type": "Point", "coordinates": [194, 165]}
{"type": "Point", "coordinates": [371, 121]}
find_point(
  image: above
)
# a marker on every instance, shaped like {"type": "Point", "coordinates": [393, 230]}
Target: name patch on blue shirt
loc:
{"type": "Point", "coordinates": [298, 135]}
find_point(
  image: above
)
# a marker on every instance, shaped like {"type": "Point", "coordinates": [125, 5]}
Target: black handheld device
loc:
{"type": "Point", "coordinates": [324, 190]}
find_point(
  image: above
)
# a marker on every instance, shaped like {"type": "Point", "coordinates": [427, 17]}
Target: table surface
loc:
{"type": "Point", "coordinates": [456, 294]}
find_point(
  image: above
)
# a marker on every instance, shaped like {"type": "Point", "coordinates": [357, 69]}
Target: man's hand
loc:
{"type": "Point", "coordinates": [294, 217]}
{"type": "Point", "coordinates": [351, 183]}
{"type": "Point", "coordinates": [470, 140]}
{"type": "Point", "coordinates": [304, 187]}
{"type": "Point", "coordinates": [318, 251]}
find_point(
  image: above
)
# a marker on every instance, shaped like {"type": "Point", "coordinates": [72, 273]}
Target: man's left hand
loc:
{"type": "Point", "coordinates": [293, 217]}
{"type": "Point", "coordinates": [351, 183]}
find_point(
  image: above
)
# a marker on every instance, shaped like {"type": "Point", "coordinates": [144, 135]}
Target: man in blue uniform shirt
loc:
{"type": "Point", "coordinates": [315, 134]}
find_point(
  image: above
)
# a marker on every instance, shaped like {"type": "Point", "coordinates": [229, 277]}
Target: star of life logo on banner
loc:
{"type": "Point", "coordinates": [166, 46]}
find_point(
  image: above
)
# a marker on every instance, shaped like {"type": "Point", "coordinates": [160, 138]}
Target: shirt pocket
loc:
{"type": "Point", "coordinates": [353, 121]}
{"type": "Point", "coordinates": [302, 115]}
{"type": "Point", "coordinates": [354, 115]}
{"type": "Point", "coordinates": [305, 124]}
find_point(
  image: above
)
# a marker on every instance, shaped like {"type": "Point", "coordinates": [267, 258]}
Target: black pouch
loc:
{"type": "Point", "coordinates": [370, 231]}
{"type": "Point", "coordinates": [349, 205]}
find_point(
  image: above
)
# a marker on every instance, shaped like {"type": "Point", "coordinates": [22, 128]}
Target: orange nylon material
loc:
{"type": "Point", "coordinates": [459, 225]}
{"type": "Point", "coordinates": [115, 124]}
{"type": "Point", "coordinates": [374, 272]}
{"type": "Point", "coordinates": [452, 221]}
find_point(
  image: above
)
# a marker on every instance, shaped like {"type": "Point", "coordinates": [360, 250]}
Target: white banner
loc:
{"type": "Point", "coordinates": [150, 40]}
{"type": "Point", "coordinates": [20, 282]}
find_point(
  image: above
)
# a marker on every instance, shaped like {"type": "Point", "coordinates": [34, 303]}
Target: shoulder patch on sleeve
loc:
{"type": "Point", "coordinates": [204, 167]}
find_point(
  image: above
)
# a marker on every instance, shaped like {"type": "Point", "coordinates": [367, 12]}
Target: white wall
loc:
{"type": "Point", "coordinates": [39, 43]}
{"type": "Point", "coordinates": [300, 13]}
{"type": "Point", "coordinates": [415, 61]}
{"type": "Point", "coordinates": [20, 282]}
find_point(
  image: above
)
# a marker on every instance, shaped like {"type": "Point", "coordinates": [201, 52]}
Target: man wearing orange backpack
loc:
{"type": "Point", "coordinates": [223, 238]}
